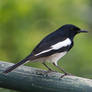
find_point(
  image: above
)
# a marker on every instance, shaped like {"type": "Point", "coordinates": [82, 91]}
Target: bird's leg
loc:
{"type": "Point", "coordinates": [60, 68]}
{"type": "Point", "coordinates": [49, 69]}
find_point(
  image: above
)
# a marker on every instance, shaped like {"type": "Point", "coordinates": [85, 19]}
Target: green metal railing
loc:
{"type": "Point", "coordinates": [28, 79]}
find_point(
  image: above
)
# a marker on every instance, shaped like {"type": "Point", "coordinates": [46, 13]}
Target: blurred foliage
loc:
{"type": "Point", "coordinates": [23, 23]}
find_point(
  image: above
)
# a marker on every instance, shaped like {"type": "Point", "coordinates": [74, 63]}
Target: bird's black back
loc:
{"type": "Point", "coordinates": [50, 40]}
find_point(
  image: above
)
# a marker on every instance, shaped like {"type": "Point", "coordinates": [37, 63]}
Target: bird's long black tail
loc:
{"type": "Point", "coordinates": [16, 65]}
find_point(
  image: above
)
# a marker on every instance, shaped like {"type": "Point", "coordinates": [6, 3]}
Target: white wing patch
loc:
{"type": "Point", "coordinates": [43, 52]}
{"type": "Point", "coordinates": [57, 46]}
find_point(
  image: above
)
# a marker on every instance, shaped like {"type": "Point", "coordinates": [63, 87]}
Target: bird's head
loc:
{"type": "Point", "coordinates": [71, 30]}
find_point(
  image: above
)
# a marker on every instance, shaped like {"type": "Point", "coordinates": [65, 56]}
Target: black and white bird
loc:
{"type": "Point", "coordinates": [52, 47]}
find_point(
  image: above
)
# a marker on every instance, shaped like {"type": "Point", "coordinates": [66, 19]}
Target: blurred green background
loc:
{"type": "Point", "coordinates": [23, 23]}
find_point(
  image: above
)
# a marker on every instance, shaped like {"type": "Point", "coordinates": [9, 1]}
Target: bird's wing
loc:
{"type": "Point", "coordinates": [44, 48]}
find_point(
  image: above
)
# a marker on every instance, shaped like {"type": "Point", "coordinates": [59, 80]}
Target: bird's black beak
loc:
{"type": "Point", "coordinates": [82, 31]}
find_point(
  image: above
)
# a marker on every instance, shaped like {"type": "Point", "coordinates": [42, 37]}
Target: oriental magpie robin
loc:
{"type": "Point", "coordinates": [52, 47]}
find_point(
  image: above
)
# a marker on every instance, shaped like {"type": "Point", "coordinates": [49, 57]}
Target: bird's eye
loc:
{"type": "Point", "coordinates": [75, 29]}
{"type": "Point", "coordinates": [72, 29]}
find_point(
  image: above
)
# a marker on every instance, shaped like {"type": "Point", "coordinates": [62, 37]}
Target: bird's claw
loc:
{"type": "Point", "coordinates": [65, 74]}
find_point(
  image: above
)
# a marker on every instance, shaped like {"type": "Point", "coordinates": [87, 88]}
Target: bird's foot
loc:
{"type": "Point", "coordinates": [65, 74]}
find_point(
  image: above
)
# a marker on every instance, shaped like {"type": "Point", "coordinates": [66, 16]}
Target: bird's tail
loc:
{"type": "Point", "coordinates": [17, 65]}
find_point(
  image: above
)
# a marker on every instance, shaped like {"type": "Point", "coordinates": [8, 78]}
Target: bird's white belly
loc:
{"type": "Point", "coordinates": [55, 57]}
